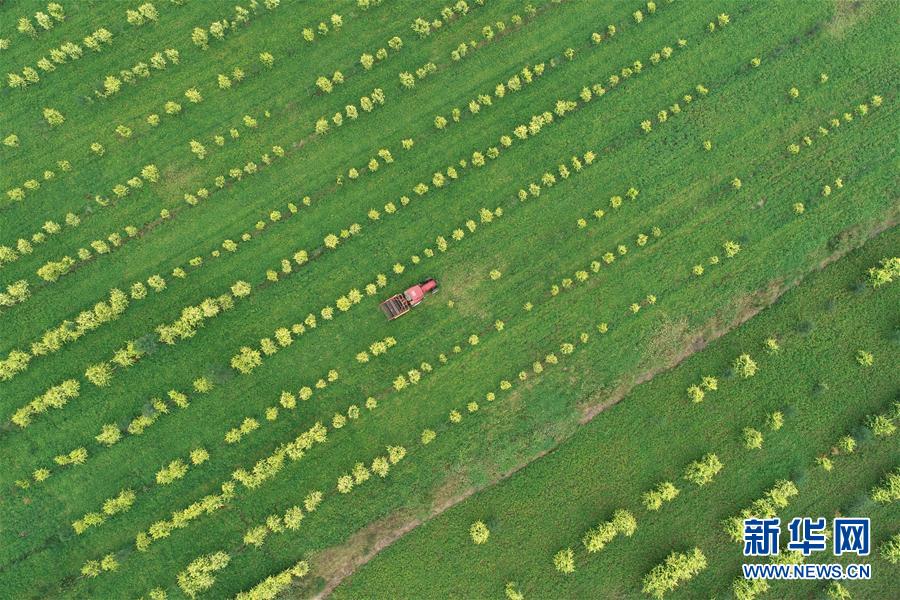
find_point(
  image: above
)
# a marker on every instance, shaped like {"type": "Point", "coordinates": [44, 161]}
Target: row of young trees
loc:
{"type": "Point", "coordinates": [62, 54]}
{"type": "Point", "coordinates": [360, 473]}
{"type": "Point", "coordinates": [376, 348]}
{"type": "Point", "coordinates": [367, 61]}
{"type": "Point", "coordinates": [333, 25]}
{"type": "Point", "coordinates": [677, 568]}
{"type": "Point", "coordinates": [515, 83]}
{"type": "Point", "coordinates": [199, 575]}
{"type": "Point", "coordinates": [66, 332]}
{"type": "Point", "coordinates": [278, 523]}
{"type": "Point", "coordinates": [249, 122]}
{"type": "Point", "coordinates": [25, 247]}
{"type": "Point", "coordinates": [622, 523]}
{"type": "Point", "coordinates": [273, 585]}
{"type": "Point", "coordinates": [490, 32]}
{"type": "Point", "coordinates": [112, 84]}
{"type": "Point", "coordinates": [373, 164]}
{"type": "Point", "coordinates": [178, 468]}
{"type": "Point", "coordinates": [120, 503]}
{"type": "Point", "coordinates": [29, 186]}
{"type": "Point", "coordinates": [609, 257]}
{"type": "Point", "coordinates": [366, 104]}
{"type": "Point", "coordinates": [833, 124]}
{"type": "Point", "coordinates": [675, 109]}
{"type": "Point", "coordinates": [55, 397]}
{"type": "Point", "coordinates": [45, 20]}
{"type": "Point", "coordinates": [194, 317]}
{"type": "Point", "coordinates": [408, 81]}
{"type": "Point", "coordinates": [217, 30]}
{"type": "Point", "coordinates": [448, 14]}
{"type": "Point", "coordinates": [262, 471]}
{"type": "Point", "coordinates": [615, 202]}
{"type": "Point", "coordinates": [53, 270]}
{"type": "Point", "coordinates": [776, 498]}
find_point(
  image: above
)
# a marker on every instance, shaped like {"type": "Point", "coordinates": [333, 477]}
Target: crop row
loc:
{"type": "Point", "coordinates": [331, 241]}
{"type": "Point", "coordinates": [114, 84]}
{"type": "Point", "coordinates": [101, 374]}
{"type": "Point", "coordinates": [66, 52]}
{"type": "Point", "coordinates": [475, 158]}
{"type": "Point", "coordinates": [862, 110]}
{"type": "Point", "coordinates": [345, 483]}
{"type": "Point", "coordinates": [322, 126]}
{"type": "Point", "coordinates": [528, 74]}
{"type": "Point", "coordinates": [370, 404]}
{"type": "Point", "coordinates": [45, 20]}
{"type": "Point", "coordinates": [53, 270]}
{"type": "Point", "coordinates": [54, 339]}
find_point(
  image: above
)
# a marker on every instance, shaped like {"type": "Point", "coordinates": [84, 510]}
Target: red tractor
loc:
{"type": "Point", "coordinates": [399, 305]}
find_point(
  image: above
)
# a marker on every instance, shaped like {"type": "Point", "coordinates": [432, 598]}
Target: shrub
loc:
{"type": "Point", "coordinates": [881, 425]}
{"type": "Point", "coordinates": [889, 490]}
{"type": "Point", "coordinates": [676, 568]}
{"type": "Point", "coordinates": [664, 492]}
{"type": "Point", "coordinates": [199, 574]}
{"type": "Point", "coordinates": [753, 438]}
{"type": "Point", "coordinates": [890, 549]}
{"type": "Point", "coordinates": [564, 561]}
{"type": "Point", "coordinates": [745, 366]}
{"type": "Point", "coordinates": [866, 359]}
{"type": "Point", "coordinates": [701, 472]}
{"type": "Point", "coordinates": [479, 532]}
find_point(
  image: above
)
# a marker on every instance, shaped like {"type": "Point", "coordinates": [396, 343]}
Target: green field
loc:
{"type": "Point", "coordinates": [814, 380]}
{"type": "Point", "coordinates": [667, 180]}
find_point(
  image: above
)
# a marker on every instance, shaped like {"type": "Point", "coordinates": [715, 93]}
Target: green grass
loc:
{"type": "Point", "coordinates": [655, 431]}
{"type": "Point", "coordinates": [683, 190]}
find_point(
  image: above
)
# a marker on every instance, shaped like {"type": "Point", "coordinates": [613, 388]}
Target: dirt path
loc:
{"type": "Point", "coordinates": [337, 563]}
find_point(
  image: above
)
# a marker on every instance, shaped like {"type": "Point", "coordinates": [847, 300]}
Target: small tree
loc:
{"type": "Point", "coordinates": [890, 549]}
{"type": "Point", "coordinates": [775, 420]}
{"type": "Point", "coordinates": [479, 532]}
{"type": "Point", "coordinates": [701, 472]}
{"type": "Point", "coordinates": [753, 438]}
{"type": "Point", "coordinates": [564, 561]}
{"type": "Point", "coordinates": [745, 366]}
{"type": "Point", "coordinates": [866, 359]}
{"type": "Point", "coordinates": [676, 568]}
{"type": "Point", "coordinates": [53, 117]}
{"type": "Point", "coordinates": [512, 592]}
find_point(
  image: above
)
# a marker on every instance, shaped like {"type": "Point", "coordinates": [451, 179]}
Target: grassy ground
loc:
{"type": "Point", "coordinates": [655, 432]}
{"type": "Point", "coordinates": [684, 190]}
